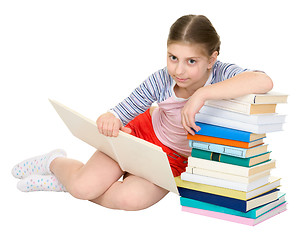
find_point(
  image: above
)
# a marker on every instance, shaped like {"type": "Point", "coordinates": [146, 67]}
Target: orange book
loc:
{"type": "Point", "coordinates": [224, 141]}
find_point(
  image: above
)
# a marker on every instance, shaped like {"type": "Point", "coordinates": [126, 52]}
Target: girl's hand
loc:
{"type": "Point", "coordinates": [193, 105]}
{"type": "Point", "coordinates": [109, 125]}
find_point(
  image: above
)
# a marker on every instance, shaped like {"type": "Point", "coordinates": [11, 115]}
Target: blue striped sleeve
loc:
{"type": "Point", "coordinates": [150, 91]}
{"type": "Point", "coordinates": [223, 71]}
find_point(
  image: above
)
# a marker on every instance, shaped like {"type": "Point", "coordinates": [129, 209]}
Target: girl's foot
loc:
{"type": "Point", "coordinates": [38, 165]}
{"type": "Point", "coordinates": [40, 183]}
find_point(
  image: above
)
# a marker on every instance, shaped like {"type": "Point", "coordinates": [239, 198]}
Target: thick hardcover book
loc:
{"type": "Point", "coordinates": [242, 107]}
{"type": "Point", "coordinates": [229, 150]}
{"type": "Point", "coordinates": [243, 126]}
{"type": "Point", "coordinates": [245, 187]}
{"type": "Point", "coordinates": [252, 119]}
{"type": "Point", "coordinates": [237, 219]}
{"type": "Point", "coordinates": [265, 98]}
{"type": "Point", "coordinates": [133, 154]}
{"type": "Point", "coordinates": [218, 157]}
{"type": "Point", "coordinates": [223, 141]}
{"type": "Point", "coordinates": [274, 183]}
{"type": "Point", "coordinates": [231, 203]}
{"type": "Point", "coordinates": [227, 133]}
{"type": "Point", "coordinates": [229, 168]}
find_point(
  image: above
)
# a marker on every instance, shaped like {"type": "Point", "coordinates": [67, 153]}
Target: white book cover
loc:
{"type": "Point", "coordinates": [268, 118]}
{"type": "Point", "coordinates": [133, 154]}
{"type": "Point", "coordinates": [230, 168]}
{"type": "Point", "coordinates": [225, 183]}
{"type": "Point", "coordinates": [226, 176]}
{"type": "Point", "coordinates": [243, 126]}
{"type": "Point", "coordinates": [271, 97]}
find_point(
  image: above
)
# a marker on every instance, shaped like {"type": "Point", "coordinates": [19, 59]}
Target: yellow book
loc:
{"type": "Point", "coordinates": [273, 183]}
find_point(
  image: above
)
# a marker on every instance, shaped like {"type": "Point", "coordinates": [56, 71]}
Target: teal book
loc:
{"type": "Point", "coordinates": [254, 213]}
{"type": "Point", "coordinates": [244, 162]}
{"type": "Point", "coordinates": [229, 150]}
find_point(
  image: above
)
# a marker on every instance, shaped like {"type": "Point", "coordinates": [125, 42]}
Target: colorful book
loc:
{"type": "Point", "coordinates": [229, 150]}
{"type": "Point", "coordinates": [245, 187]}
{"type": "Point", "coordinates": [227, 133]}
{"type": "Point", "coordinates": [223, 141]}
{"type": "Point", "coordinates": [218, 157]}
{"type": "Point", "coordinates": [243, 126]}
{"type": "Point", "coordinates": [242, 107]}
{"type": "Point", "coordinates": [238, 219]}
{"type": "Point", "coordinates": [254, 213]}
{"type": "Point", "coordinates": [274, 183]}
{"type": "Point", "coordinates": [229, 168]}
{"type": "Point", "coordinates": [231, 203]}
{"type": "Point", "coordinates": [265, 98]}
{"type": "Point", "coordinates": [252, 119]}
{"type": "Point", "coordinates": [226, 176]}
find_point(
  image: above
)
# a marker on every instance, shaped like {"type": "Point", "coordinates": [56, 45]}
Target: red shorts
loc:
{"type": "Point", "coordinates": [141, 127]}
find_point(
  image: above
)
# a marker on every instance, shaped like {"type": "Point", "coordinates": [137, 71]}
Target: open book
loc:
{"type": "Point", "coordinates": [134, 155]}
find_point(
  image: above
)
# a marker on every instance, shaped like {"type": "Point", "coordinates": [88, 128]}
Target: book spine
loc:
{"type": "Point", "coordinates": [218, 166]}
{"type": "Point", "coordinates": [245, 187]}
{"type": "Point", "coordinates": [222, 132]}
{"type": "Point", "coordinates": [230, 105]}
{"type": "Point", "coordinates": [243, 126]}
{"type": "Point", "coordinates": [228, 150]}
{"type": "Point", "coordinates": [232, 203]}
{"type": "Point", "coordinates": [244, 162]}
{"type": "Point", "coordinates": [212, 207]}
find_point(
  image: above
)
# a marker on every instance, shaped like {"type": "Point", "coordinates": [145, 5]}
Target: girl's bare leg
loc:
{"type": "Point", "coordinates": [87, 181]}
{"type": "Point", "coordinates": [134, 193]}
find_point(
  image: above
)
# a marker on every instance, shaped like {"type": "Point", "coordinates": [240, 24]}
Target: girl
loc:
{"type": "Point", "coordinates": [192, 76]}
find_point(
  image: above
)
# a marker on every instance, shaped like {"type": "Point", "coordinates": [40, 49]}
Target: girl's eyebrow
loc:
{"type": "Point", "coordinates": [169, 53]}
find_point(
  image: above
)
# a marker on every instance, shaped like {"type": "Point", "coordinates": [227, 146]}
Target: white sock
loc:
{"type": "Point", "coordinates": [38, 165]}
{"type": "Point", "coordinates": [40, 183]}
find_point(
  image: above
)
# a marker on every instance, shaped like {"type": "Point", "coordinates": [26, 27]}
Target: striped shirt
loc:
{"type": "Point", "coordinates": [158, 87]}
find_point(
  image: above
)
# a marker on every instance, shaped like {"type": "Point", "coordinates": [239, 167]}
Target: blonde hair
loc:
{"type": "Point", "coordinates": [195, 29]}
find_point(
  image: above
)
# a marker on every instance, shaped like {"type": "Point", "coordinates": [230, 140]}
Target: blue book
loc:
{"type": "Point", "coordinates": [254, 213]}
{"type": "Point", "coordinates": [229, 150]}
{"type": "Point", "coordinates": [227, 133]}
{"type": "Point", "coordinates": [232, 203]}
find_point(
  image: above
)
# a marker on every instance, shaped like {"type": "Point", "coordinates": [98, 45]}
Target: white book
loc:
{"type": "Point", "coordinates": [269, 118]}
{"type": "Point", "coordinates": [243, 126]}
{"type": "Point", "coordinates": [224, 183]}
{"type": "Point", "coordinates": [271, 97]}
{"type": "Point", "coordinates": [226, 176]}
{"type": "Point", "coordinates": [133, 154]}
{"type": "Point", "coordinates": [242, 107]}
{"type": "Point", "coordinates": [230, 168]}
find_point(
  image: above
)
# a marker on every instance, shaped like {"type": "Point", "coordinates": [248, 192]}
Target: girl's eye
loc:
{"type": "Point", "coordinates": [191, 61]}
{"type": "Point", "coordinates": [173, 58]}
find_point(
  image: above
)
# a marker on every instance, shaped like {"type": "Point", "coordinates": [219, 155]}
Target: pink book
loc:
{"type": "Point", "coordinates": [237, 219]}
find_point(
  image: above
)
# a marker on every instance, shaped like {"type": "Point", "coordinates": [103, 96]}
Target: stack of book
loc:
{"type": "Point", "coordinates": [229, 171]}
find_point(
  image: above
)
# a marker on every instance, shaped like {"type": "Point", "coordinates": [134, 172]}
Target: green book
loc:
{"type": "Point", "coordinates": [244, 162]}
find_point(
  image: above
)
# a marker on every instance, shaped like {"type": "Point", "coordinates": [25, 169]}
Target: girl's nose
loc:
{"type": "Point", "coordinates": [180, 69]}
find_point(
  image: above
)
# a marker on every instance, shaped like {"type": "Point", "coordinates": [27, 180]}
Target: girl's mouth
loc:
{"type": "Point", "coordinates": [181, 79]}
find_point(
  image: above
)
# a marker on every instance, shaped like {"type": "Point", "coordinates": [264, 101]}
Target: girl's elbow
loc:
{"type": "Point", "coordinates": [266, 83]}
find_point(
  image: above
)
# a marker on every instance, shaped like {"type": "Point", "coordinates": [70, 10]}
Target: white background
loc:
{"type": "Point", "coordinates": [90, 55]}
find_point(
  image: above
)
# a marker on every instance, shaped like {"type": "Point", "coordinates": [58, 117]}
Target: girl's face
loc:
{"type": "Point", "coordinates": [189, 68]}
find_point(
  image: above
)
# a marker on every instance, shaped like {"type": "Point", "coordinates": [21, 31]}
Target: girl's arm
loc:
{"type": "Point", "coordinates": [237, 86]}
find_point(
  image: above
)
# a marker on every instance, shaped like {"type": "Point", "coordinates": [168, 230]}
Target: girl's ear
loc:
{"type": "Point", "coordinates": [212, 59]}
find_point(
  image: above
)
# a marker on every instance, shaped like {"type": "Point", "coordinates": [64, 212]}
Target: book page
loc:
{"type": "Point", "coordinates": [134, 155]}
{"type": "Point", "coordinates": [84, 129]}
{"type": "Point", "coordinates": [145, 160]}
